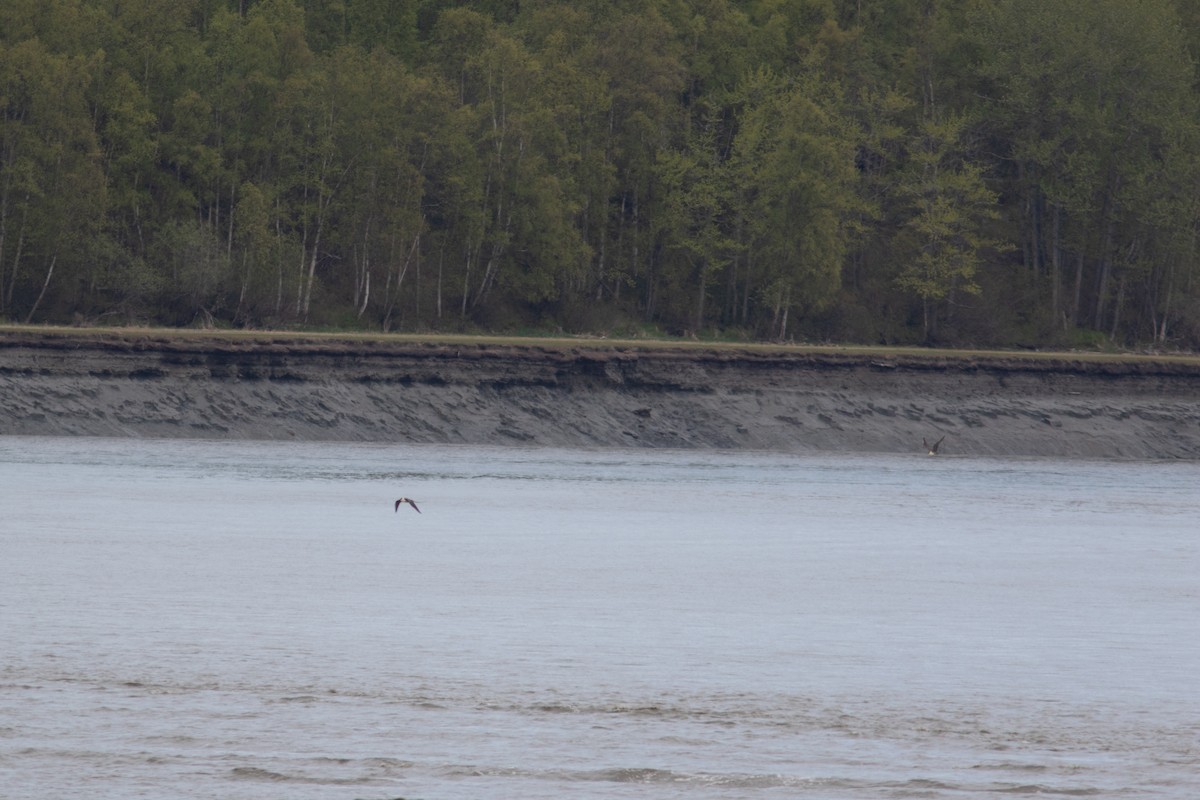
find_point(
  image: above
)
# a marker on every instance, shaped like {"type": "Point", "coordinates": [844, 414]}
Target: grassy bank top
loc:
{"type": "Point", "coordinates": [144, 337]}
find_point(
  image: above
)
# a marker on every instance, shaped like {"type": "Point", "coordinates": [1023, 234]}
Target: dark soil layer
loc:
{"type": "Point", "coordinates": [595, 394]}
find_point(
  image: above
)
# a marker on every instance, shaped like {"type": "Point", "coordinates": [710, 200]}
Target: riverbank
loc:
{"type": "Point", "coordinates": [594, 393]}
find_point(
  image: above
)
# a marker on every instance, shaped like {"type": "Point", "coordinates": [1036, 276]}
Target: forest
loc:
{"type": "Point", "coordinates": [1015, 173]}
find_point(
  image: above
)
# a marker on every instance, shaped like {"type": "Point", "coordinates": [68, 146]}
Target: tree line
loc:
{"type": "Point", "coordinates": [991, 172]}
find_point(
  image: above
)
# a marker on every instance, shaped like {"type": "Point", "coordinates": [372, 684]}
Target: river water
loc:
{"type": "Point", "coordinates": [253, 620]}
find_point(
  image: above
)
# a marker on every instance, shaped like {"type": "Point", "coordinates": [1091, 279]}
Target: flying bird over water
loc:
{"type": "Point", "coordinates": [932, 448]}
{"type": "Point", "coordinates": [410, 502]}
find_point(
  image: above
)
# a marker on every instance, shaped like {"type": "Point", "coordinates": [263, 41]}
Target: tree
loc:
{"type": "Point", "coordinates": [795, 153]}
{"type": "Point", "coordinates": [1097, 108]}
{"type": "Point", "coordinates": [266, 132]}
{"type": "Point", "coordinates": [640, 59]}
{"type": "Point", "coordinates": [949, 207]}
{"type": "Point", "coordinates": [52, 196]}
{"type": "Point", "coordinates": [695, 213]}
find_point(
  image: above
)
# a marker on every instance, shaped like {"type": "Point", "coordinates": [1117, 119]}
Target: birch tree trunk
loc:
{"type": "Point", "coordinates": [42, 293]}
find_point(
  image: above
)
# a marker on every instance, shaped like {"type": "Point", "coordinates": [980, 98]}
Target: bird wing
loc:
{"type": "Point", "coordinates": [398, 502]}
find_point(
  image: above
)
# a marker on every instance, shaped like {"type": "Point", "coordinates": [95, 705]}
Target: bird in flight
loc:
{"type": "Point", "coordinates": [932, 448]}
{"type": "Point", "coordinates": [410, 502]}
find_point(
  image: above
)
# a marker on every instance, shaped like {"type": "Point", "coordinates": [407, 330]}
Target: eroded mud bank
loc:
{"type": "Point", "coordinates": [594, 395]}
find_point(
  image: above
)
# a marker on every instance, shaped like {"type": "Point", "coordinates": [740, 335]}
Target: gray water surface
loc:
{"type": "Point", "coordinates": [252, 620]}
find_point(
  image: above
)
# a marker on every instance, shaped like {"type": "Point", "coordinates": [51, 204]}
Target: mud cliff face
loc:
{"type": "Point", "coordinates": [594, 396]}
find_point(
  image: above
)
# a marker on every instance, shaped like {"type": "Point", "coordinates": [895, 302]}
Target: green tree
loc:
{"type": "Point", "coordinates": [391, 123]}
{"type": "Point", "coordinates": [1097, 106]}
{"type": "Point", "coordinates": [695, 215]}
{"type": "Point", "coordinates": [640, 58]}
{"type": "Point", "coordinates": [570, 122]}
{"type": "Point", "coordinates": [384, 24]}
{"type": "Point", "coordinates": [255, 256]}
{"type": "Point", "coordinates": [949, 209]}
{"type": "Point", "coordinates": [266, 130]}
{"type": "Point", "coordinates": [796, 154]}
{"type": "Point", "coordinates": [52, 196]}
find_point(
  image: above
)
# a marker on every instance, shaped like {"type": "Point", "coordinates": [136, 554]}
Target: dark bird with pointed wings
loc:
{"type": "Point", "coordinates": [403, 500]}
{"type": "Point", "coordinates": [932, 448]}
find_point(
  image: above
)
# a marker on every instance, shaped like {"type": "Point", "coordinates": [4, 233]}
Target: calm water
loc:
{"type": "Point", "coordinates": [251, 620]}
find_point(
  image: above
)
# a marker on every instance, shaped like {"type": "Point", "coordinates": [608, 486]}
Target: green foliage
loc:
{"type": "Point", "coordinates": [1097, 110]}
{"type": "Point", "coordinates": [951, 171]}
{"type": "Point", "coordinates": [948, 207]}
{"type": "Point", "coordinates": [794, 167]}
